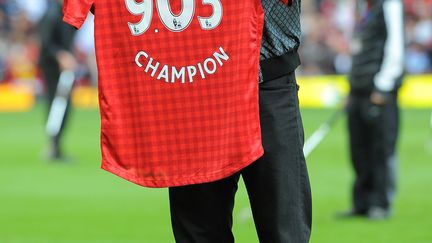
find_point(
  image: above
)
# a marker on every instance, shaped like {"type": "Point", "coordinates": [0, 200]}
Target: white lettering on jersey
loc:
{"type": "Point", "coordinates": [153, 67]}
{"type": "Point", "coordinates": [201, 70]}
{"type": "Point", "coordinates": [145, 8]}
{"type": "Point", "coordinates": [206, 65]}
{"type": "Point", "coordinates": [172, 22]}
{"type": "Point", "coordinates": [178, 74]}
{"type": "Point", "coordinates": [164, 73]}
{"type": "Point", "coordinates": [192, 72]}
{"type": "Point", "coordinates": [222, 55]}
{"type": "Point", "coordinates": [138, 56]}
{"type": "Point", "coordinates": [214, 20]}
{"type": "Point", "coordinates": [172, 74]}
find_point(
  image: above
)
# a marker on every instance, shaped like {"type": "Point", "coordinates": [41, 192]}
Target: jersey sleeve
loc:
{"type": "Point", "coordinates": [75, 11]}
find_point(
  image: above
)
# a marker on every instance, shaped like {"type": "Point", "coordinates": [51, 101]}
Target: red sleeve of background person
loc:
{"type": "Point", "coordinates": [75, 11]}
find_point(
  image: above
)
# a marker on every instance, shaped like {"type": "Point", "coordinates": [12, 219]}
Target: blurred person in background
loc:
{"type": "Point", "coordinates": [328, 26]}
{"type": "Point", "coordinates": [55, 56]}
{"type": "Point", "coordinates": [373, 114]}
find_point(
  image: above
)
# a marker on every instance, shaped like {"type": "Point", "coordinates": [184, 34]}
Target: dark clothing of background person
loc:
{"type": "Point", "coordinates": [277, 183]}
{"type": "Point", "coordinates": [56, 37]}
{"type": "Point", "coordinates": [373, 113]}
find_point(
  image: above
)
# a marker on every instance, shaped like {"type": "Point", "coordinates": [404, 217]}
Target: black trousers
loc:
{"type": "Point", "coordinates": [277, 184]}
{"type": "Point", "coordinates": [373, 133]}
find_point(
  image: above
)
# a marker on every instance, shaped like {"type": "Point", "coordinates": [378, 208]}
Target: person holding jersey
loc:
{"type": "Point", "coordinates": [277, 183]}
{"type": "Point", "coordinates": [199, 129]}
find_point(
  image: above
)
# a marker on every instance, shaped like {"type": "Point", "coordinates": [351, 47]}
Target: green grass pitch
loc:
{"type": "Point", "coordinates": [42, 202]}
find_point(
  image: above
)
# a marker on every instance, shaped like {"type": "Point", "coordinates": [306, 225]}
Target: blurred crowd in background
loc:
{"type": "Point", "coordinates": [327, 34]}
{"type": "Point", "coordinates": [19, 45]}
{"type": "Point", "coordinates": [327, 30]}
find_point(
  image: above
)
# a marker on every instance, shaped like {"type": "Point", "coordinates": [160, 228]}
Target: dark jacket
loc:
{"type": "Point", "coordinates": [55, 35]}
{"type": "Point", "coordinates": [281, 38]}
{"type": "Point", "coordinates": [378, 47]}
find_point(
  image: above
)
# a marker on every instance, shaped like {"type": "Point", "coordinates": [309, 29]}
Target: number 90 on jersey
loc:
{"type": "Point", "coordinates": [172, 22]}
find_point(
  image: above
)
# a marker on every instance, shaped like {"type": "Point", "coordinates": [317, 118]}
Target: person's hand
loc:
{"type": "Point", "coordinates": [66, 60]}
{"type": "Point", "coordinates": [378, 98]}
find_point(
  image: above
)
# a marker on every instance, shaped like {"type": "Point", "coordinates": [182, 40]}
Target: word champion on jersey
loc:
{"type": "Point", "coordinates": [171, 74]}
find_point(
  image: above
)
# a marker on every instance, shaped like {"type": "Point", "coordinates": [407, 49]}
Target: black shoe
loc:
{"type": "Point", "coordinates": [378, 213]}
{"type": "Point", "coordinates": [351, 214]}
{"type": "Point", "coordinates": [53, 152]}
{"type": "Point", "coordinates": [55, 155]}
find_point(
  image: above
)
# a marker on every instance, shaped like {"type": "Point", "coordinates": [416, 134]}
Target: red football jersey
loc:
{"type": "Point", "coordinates": [178, 87]}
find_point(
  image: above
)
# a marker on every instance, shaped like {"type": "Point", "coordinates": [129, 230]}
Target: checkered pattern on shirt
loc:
{"type": "Point", "coordinates": [282, 30]}
{"type": "Point", "coordinates": [160, 134]}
